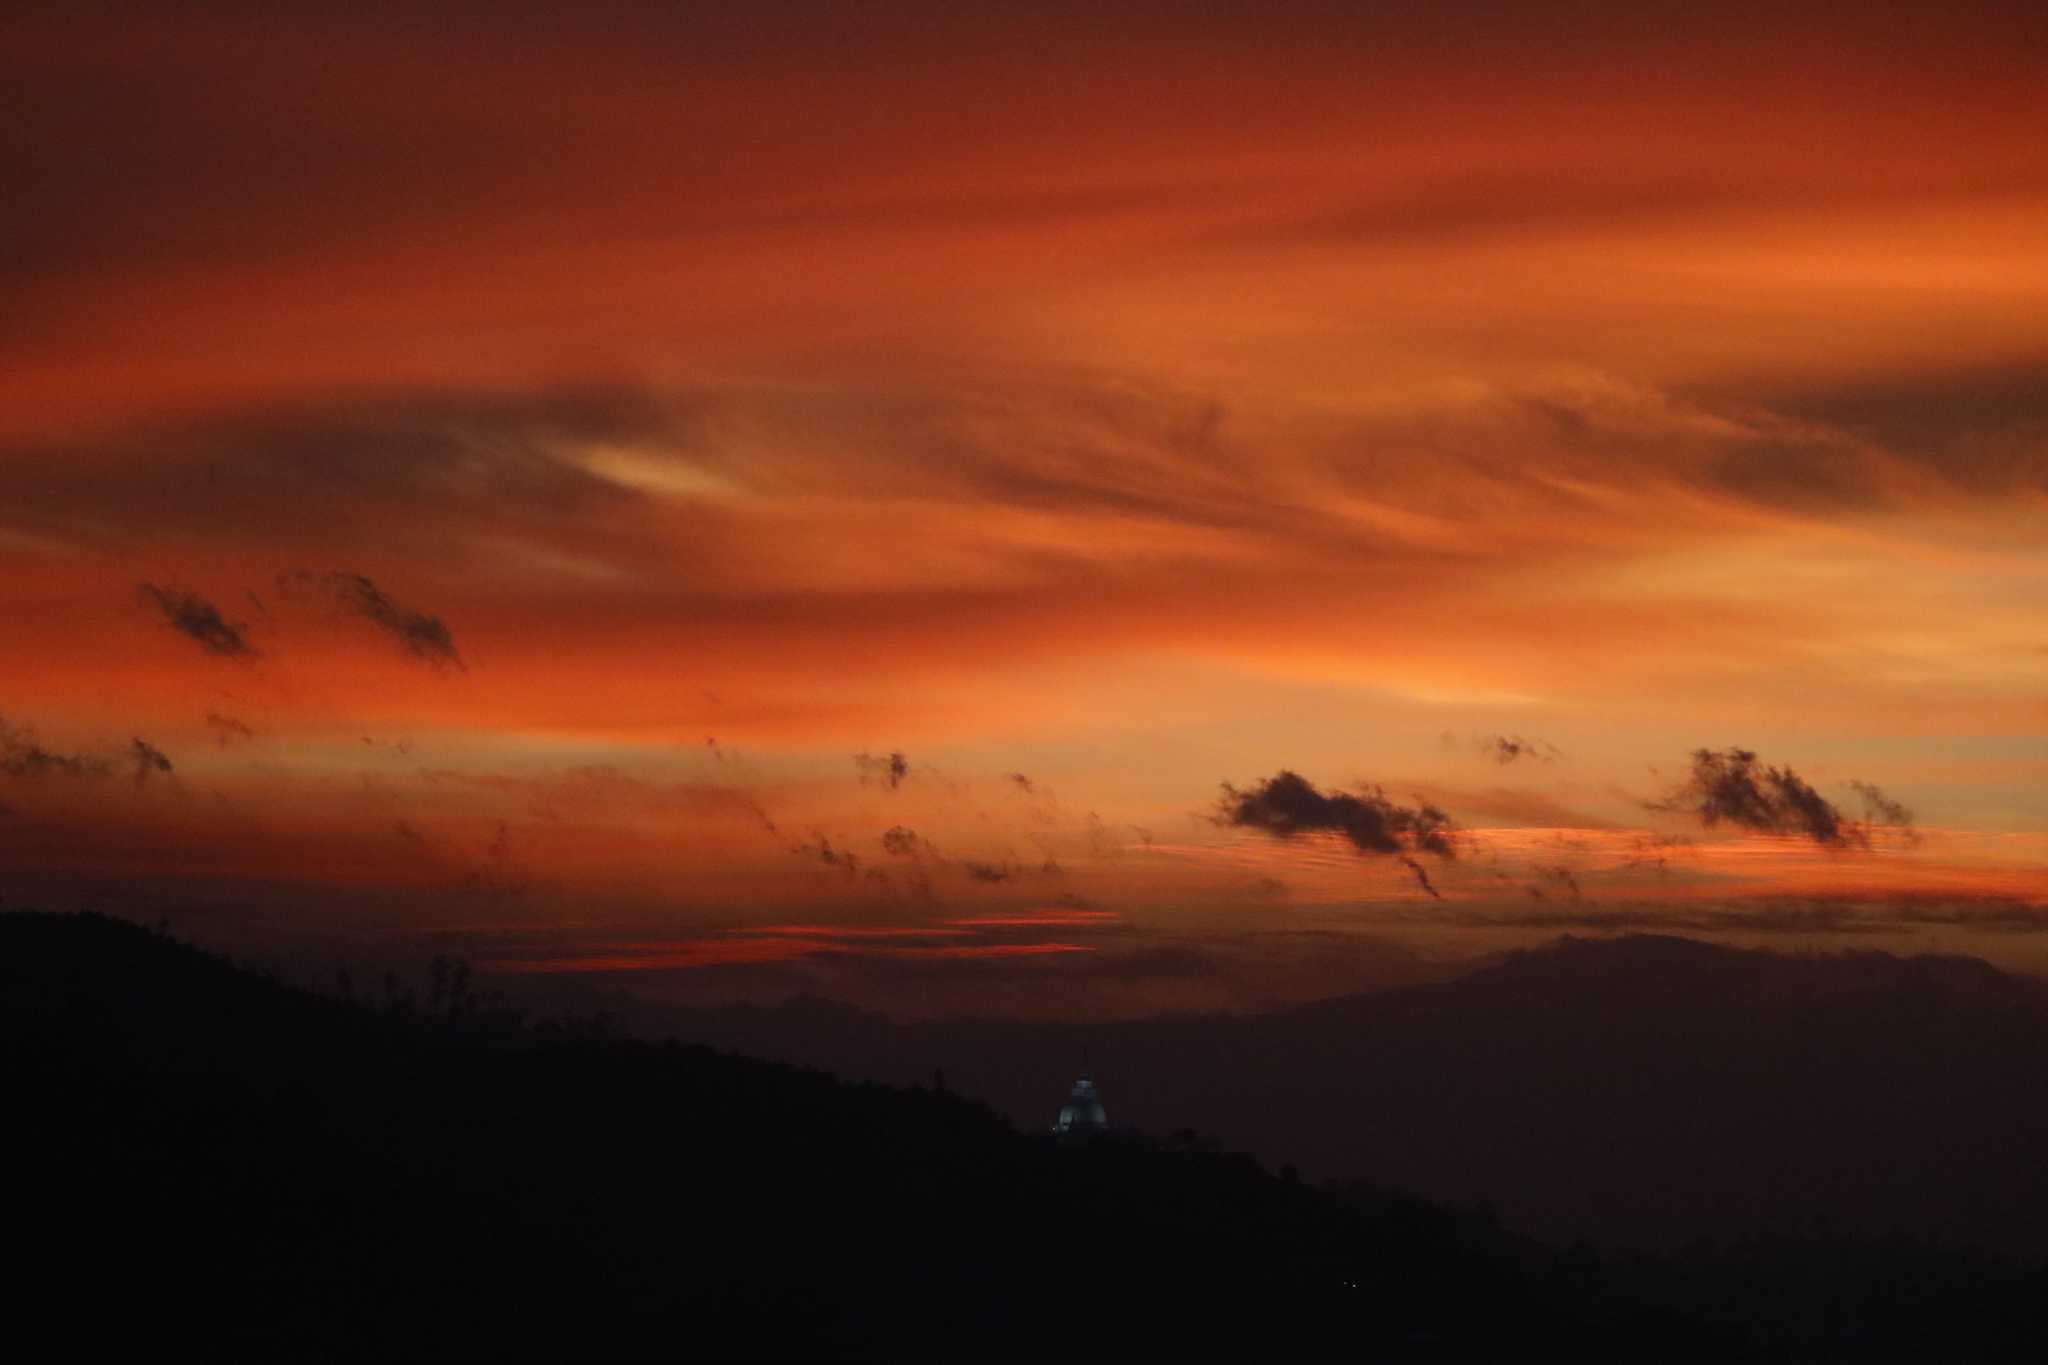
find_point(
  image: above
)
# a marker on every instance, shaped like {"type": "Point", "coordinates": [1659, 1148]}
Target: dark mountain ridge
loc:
{"type": "Point", "coordinates": [1645, 1090]}
{"type": "Point", "coordinates": [202, 1156]}
{"type": "Point", "coordinates": [204, 1159]}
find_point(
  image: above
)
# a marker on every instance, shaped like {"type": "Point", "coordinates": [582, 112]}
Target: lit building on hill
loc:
{"type": "Point", "coordinates": [1082, 1113]}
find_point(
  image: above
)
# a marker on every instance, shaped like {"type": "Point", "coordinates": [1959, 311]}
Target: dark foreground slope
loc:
{"type": "Point", "coordinates": [1645, 1090]}
{"type": "Point", "coordinates": [203, 1162]}
{"type": "Point", "coordinates": [202, 1157]}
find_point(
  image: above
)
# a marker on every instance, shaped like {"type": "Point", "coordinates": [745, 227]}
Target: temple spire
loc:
{"type": "Point", "coordinates": [1083, 1112]}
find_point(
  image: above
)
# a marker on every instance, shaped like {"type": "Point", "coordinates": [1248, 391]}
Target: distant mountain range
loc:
{"type": "Point", "coordinates": [1644, 1090]}
{"type": "Point", "coordinates": [202, 1159]}
{"type": "Point", "coordinates": [205, 1160]}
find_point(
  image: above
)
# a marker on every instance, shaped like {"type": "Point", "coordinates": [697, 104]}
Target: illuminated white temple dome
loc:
{"type": "Point", "coordinates": [1082, 1113]}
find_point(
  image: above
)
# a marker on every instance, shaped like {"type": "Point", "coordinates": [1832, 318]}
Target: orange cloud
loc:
{"type": "Point", "coordinates": [1275, 389]}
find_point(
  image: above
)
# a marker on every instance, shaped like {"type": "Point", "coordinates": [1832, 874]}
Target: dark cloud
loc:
{"type": "Point", "coordinates": [1728, 786]}
{"type": "Point", "coordinates": [1803, 474]}
{"type": "Point", "coordinates": [1422, 876]}
{"type": "Point", "coordinates": [1880, 809]}
{"type": "Point", "coordinates": [1657, 846]}
{"type": "Point", "coordinates": [757, 810]}
{"type": "Point", "coordinates": [423, 636]}
{"type": "Point", "coordinates": [900, 841]}
{"type": "Point", "coordinates": [844, 860]}
{"type": "Point", "coordinates": [400, 467]}
{"type": "Point", "coordinates": [1983, 429]}
{"type": "Point", "coordinates": [1879, 806]}
{"type": "Point", "coordinates": [1554, 876]}
{"type": "Point", "coordinates": [22, 755]}
{"type": "Point", "coordinates": [1506, 749]}
{"type": "Point", "coordinates": [889, 770]}
{"type": "Point", "coordinates": [1655, 850]}
{"type": "Point", "coordinates": [1039, 801]}
{"type": "Point", "coordinates": [199, 620]}
{"type": "Point", "coordinates": [988, 872]}
{"type": "Point", "coordinates": [228, 729]}
{"type": "Point", "coordinates": [149, 760]}
{"type": "Point", "coordinates": [1287, 804]}
{"type": "Point", "coordinates": [903, 842]}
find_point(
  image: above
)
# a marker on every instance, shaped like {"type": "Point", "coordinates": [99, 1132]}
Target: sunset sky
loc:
{"type": "Point", "coordinates": [728, 501]}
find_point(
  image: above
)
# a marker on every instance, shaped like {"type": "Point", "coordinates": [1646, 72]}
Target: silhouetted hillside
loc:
{"type": "Point", "coordinates": [211, 1158]}
{"type": "Point", "coordinates": [1644, 1090]}
{"type": "Point", "coordinates": [209, 1163]}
